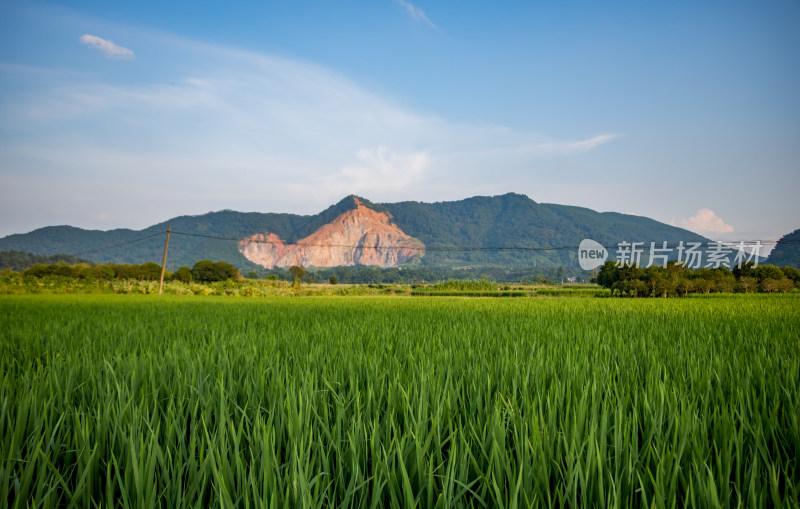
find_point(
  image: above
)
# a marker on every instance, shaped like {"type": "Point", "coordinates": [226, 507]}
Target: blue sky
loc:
{"type": "Point", "coordinates": [124, 114]}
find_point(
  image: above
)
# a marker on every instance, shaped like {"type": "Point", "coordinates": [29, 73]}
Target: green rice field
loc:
{"type": "Point", "coordinates": [184, 401]}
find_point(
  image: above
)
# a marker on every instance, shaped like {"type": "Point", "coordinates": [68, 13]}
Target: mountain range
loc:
{"type": "Point", "coordinates": [510, 230]}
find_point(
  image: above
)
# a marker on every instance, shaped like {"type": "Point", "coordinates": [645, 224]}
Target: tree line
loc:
{"type": "Point", "coordinates": [677, 280]}
{"type": "Point", "coordinates": [360, 274]}
{"type": "Point", "coordinates": [19, 261]}
{"type": "Point", "coordinates": [204, 271]}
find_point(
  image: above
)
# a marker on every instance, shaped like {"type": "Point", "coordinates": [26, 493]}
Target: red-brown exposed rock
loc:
{"type": "Point", "coordinates": [361, 236]}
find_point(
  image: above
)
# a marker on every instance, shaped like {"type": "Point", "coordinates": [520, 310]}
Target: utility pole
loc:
{"type": "Point", "coordinates": [164, 263]}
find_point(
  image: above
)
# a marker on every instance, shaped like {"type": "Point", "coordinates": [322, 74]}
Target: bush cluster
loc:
{"type": "Point", "coordinates": [679, 280]}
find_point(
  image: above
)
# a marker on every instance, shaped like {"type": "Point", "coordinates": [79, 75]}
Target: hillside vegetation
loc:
{"type": "Point", "coordinates": [787, 250]}
{"type": "Point", "coordinates": [467, 233]}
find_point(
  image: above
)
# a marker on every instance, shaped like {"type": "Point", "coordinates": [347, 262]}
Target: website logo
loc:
{"type": "Point", "coordinates": [591, 254]}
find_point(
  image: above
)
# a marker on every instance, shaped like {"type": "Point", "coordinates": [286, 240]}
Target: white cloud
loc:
{"type": "Point", "coordinates": [416, 13]}
{"type": "Point", "coordinates": [379, 170]}
{"type": "Point", "coordinates": [110, 49]}
{"type": "Point", "coordinates": [703, 222]}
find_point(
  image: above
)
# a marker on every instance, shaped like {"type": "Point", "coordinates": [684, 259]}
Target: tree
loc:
{"type": "Point", "coordinates": [658, 282]}
{"type": "Point", "coordinates": [746, 269]}
{"type": "Point", "coordinates": [763, 272]}
{"type": "Point", "coordinates": [678, 277]}
{"type": "Point", "coordinates": [684, 286]}
{"type": "Point", "coordinates": [785, 285]}
{"type": "Point", "coordinates": [184, 275]}
{"type": "Point", "coordinates": [150, 271]}
{"type": "Point", "coordinates": [125, 271]}
{"type": "Point", "coordinates": [226, 271]}
{"type": "Point", "coordinates": [747, 284]}
{"type": "Point", "coordinates": [607, 275]}
{"type": "Point", "coordinates": [793, 274]}
{"type": "Point", "coordinates": [702, 285]}
{"type": "Point", "coordinates": [723, 280]}
{"type": "Point", "coordinates": [204, 271]}
{"type": "Point", "coordinates": [771, 285]}
{"type": "Point", "coordinates": [639, 288]}
{"type": "Point", "coordinates": [102, 271]}
{"type": "Point", "coordinates": [333, 280]}
{"type": "Point", "coordinates": [298, 272]}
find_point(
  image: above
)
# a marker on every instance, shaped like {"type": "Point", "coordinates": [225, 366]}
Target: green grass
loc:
{"type": "Point", "coordinates": [145, 401]}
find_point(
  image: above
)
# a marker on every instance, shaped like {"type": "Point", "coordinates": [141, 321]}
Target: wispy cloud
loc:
{"type": "Point", "coordinates": [416, 13]}
{"type": "Point", "coordinates": [567, 147]}
{"type": "Point", "coordinates": [108, 48]}
{"type": "Point", "coordinates": [704, 221]}
{"type": "Point", "coordinates": [379, 170]}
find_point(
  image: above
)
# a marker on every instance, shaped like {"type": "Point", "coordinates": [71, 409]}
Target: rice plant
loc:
{"type": "Point", "coordinates": [146, 401]}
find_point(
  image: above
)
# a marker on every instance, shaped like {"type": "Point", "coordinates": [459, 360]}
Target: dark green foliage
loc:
{"type": "Point", "coordinates": [19, 261]}
{"type": "Point", "coordinates": [607, 275]}
{"type": "Point", "coordinates": [227, 271]}
{"type": "Point", "coordinates": [102, 271]}
{"type": "Point", "coordinates": [678, 280]}
{"type": "Point", "coordinates": [297, 272]}
{"type": "Point", "coordinates": [150, 271]}
{"type": "Point", "coordinates": [745, 269]}
{"type": "Point", "coordinates": [763, 272]}
{"type": "Point", "coordinates": [333, 280]}
{"type": "Point", "coordinates": [515, 220]}
{"type": "Point", "coordinates": [145, 272]}
{"type": "Point", "coordinates": [206, 271]}
{"type": "Point", "coordinates": [183, 274]}
{"type": "Point", "coordinates": [787, 251]}
{"type": "Point", "coordinates": [792, 273]}
{"type": "Point", "coordinates": [423, 273]}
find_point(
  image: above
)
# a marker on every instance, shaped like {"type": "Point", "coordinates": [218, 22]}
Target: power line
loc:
{"type": "Point", "coordinates": [108, 247]}
{"type": "Point", "coordinates": [747, 243]}
{"type": "Point", "coordinates": [429, 248]}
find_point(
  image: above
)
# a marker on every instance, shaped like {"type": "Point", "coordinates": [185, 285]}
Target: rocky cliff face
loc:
{"type": "Point", "coordinates": [360, 236]}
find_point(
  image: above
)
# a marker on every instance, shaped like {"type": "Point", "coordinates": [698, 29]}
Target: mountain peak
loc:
{"type": "Point", "coordinates": [350, 199]}
{"type": "Point", "coordinates": [359, 236]}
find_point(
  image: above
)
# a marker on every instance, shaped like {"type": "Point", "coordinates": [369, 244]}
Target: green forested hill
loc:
{"type": "Point", "coordinates": [787, 251]}
{"type": "Point", "coordinates": [457, 233]}
{"type": "Point", "coordinates": [134, 246]}
{"type": "Point", "coordinates": [516, 220]}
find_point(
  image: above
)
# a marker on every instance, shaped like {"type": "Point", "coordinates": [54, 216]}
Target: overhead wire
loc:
{"type": "Point", "coordinates": [121, 244]}
{"type": "Point", "coordinates": [425, 248]}
{"type": "Point", "coordinates": [428, 248]}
